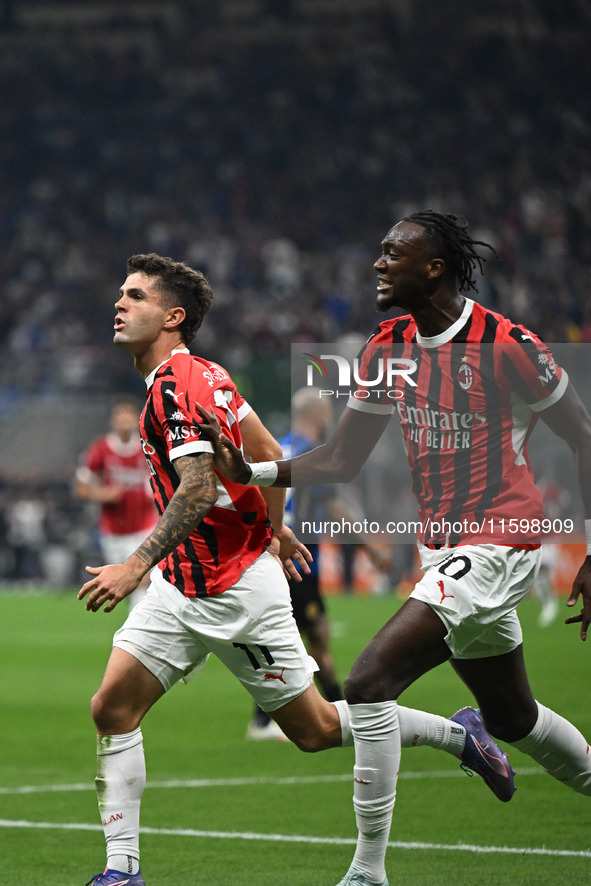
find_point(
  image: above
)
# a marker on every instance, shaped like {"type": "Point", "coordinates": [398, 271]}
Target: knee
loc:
{"type": "Point", "coordinates": [510, 725]}
{"type": "Point", "coordinates": [314, 730]}
{"type": "Point", "coordinates": [316, 735]}
{"type": "Point", "coordinates": [100, 713]}
{"type": "Point", "coordinates": [311, 742]}
{"type": "Point", "coordinates": [361, 687]}
{"type": "Point", "coordinates": [109, 717]}
{"type": "Point", "coordinates": [509, 734]}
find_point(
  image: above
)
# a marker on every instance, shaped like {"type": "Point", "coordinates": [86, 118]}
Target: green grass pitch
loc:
{"type": "Point", "coordinates": [220, 810]}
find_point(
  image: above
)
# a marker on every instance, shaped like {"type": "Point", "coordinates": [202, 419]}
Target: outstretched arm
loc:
{"type": "Point", "coordinates": [337, 461]}
{"type": "Point", "coordinates": [194, 497]}
{"type": "Point", "coordinates": [260, 445]}
{"type": "Point", "coordinates": [569, 419]}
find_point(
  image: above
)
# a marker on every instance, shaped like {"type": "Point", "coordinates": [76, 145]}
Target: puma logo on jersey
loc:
{"type": "Point", "coordinates": [173, 395]}
{"type": "Point", "coordinates": [444, 596]}
{"type": "Point", "coordinates": [276, 676]}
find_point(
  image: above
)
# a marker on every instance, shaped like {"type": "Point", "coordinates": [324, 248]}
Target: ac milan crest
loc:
{"type": "Point", "coordinates": [465, 376]}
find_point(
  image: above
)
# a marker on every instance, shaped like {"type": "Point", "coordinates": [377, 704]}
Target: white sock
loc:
{"type": "Point", "coordinates": [377, 759]}
{"type": "Point", "coordinates": [560, 749]}
{"type": "Point", "coordinates": [120, 781]}
{"type": "Point", "coordinates": [345, 718]}
{"type": "Point", "coordinates": [420, 728]}
{"type": "Point", "coordinates": [127, 864]}
{"type": "Point", "coordinates": [416, 728]}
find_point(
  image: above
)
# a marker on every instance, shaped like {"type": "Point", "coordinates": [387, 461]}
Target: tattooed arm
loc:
{"type": "Point", "coordinates": [194, 497]}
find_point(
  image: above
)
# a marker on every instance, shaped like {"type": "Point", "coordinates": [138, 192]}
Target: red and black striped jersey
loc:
{"type": "Point", "coordinates": [466, 401]}
{"type": "Point", "coordinates": [111, 461]}
{"type": "Point", "coordinates": [237, 529]}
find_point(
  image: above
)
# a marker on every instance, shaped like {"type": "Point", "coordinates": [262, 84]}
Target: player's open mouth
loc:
{"type": "Point", "coordinates": [118, 323]}
{"type": "Point", "coordinates": [383, 284]}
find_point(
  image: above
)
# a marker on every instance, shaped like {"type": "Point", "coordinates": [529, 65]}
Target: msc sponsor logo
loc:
{"type": "Point", "coordinates": [547, 361]}
{"type": "Point", "coordinates": [182, 432]}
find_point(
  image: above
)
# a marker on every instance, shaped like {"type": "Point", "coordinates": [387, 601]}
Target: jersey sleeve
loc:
{"type": "Point", "coordinates": [92, 463]}
{"type": "Point", "coordinates": [197, 382]}
{"type": "Point", "coordinates": [179, 424]}
{"type": "Point", "coordinates": [242, 407]}
{"type": "Point", "coordinates": [369, 396]}
{"type": "Point", "coordinates": [532, 371]}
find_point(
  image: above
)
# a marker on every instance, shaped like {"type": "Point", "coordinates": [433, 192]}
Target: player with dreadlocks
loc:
{"type": "Point", "coordinates": [466, 407]}
{"type": "Point", "coordinates": [449, 237]}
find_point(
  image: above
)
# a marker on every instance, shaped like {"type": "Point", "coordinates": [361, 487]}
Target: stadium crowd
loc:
{"type": "Point", "coordinates": [276, 165]}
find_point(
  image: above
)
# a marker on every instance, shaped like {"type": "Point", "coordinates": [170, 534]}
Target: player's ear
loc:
{"type": "Point", "coordinates": [174, 317]}
{"type": "Point", "coordinates": [437, 267]}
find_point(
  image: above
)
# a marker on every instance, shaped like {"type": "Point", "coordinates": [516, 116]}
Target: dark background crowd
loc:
{"type": "Point", "coordinates": [271, 143]}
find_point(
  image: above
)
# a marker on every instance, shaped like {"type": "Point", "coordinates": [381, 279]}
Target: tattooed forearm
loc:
{"type": "Point", "coordinates": [192, 500]}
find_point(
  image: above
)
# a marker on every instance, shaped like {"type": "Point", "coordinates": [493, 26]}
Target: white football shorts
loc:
{"type": "Point", "coordinates": [475, 590]}
{"type": "Point", "coordinates": [250, 628]}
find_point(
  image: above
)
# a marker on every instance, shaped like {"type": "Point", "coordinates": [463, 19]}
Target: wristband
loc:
{"type": "Point", "coordinates": [264, 473]}
{"type": "Point", "coordinates": [588, 536]}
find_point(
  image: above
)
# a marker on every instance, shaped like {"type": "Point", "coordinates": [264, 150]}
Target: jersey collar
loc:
{"type": "Point", "coordinates": [150, 378]}
{"type": "Point", "coordinates": [121, 447]}
{"type": "Point", "coordinates": [434, 341]}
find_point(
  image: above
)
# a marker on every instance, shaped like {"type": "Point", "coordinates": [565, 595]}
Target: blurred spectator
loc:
{"type": "Point", "coordinates": [26, 535]}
